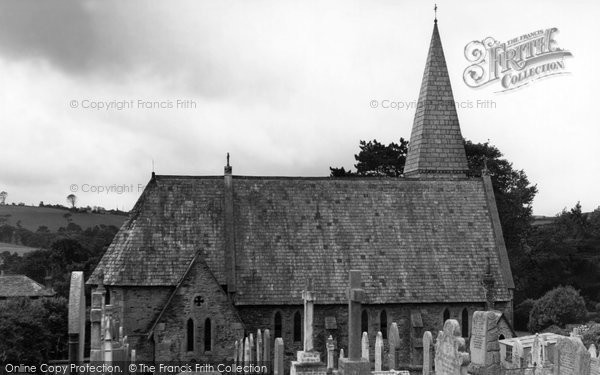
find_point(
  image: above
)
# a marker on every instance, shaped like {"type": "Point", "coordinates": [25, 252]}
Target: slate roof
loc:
{"type": "Point", "coordinates": [416, 240]}
{"type": "Point", "coordinates": [22, 286]}
{"type": "Point", "coordinates": [436, 143]}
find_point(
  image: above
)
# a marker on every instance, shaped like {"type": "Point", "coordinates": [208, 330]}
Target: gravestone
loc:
{"type": "Point", "coordinates": [594, 366]}
{"type": "Point", "coordinates": [536, 352]}
{"type": "Point", "coordinates": [484, 345]}
{"type": "Point", "coordinates": [252, 349]}
{"type": "Point", "coordinates": [378, 351]}
{"type": "Point", "coordinates": [247, 351]}
{"type": "Point", "coordinates": [241, 352]}
{"type": "Point", "coordinates": [236, 352]}
{"type": "Point", "coordinates": [278, 357]}
{"type": "Point", "coordinates": [354, 364]}
{"type": "Point", "coordinates": [259, 346]}
{"type": "Point", "coordinates": [76, 317]}
{"type": "Point", "coordinates": [267, 348]}
{"type": "Point", "coordinates": [394, 344]}
{"type": "Point", "coordinates": [364, 345]}
{"type": "Point", "coordinates": [517, 354]}
{"type": "Point", "coordinates": [572, 357]}
{"type": "Point", "coordinates": [330, 353]}
{"type": "Point", "coordinates": [448, 359]}
{"type": "Point", "coordinates": [592, 350]}
{"type": "Point", "coordinates": [308, 360]}
{"type": "Point", "coordinates": [427, 365]}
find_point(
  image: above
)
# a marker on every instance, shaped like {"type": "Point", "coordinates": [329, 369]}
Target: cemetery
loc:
{"type": "Point", "coordinates": [444, 352]}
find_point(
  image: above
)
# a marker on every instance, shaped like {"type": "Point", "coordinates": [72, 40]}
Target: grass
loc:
{"type": "Point", "coordinates": [31, 218]}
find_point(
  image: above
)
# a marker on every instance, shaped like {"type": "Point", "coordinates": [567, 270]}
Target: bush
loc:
{"type": "Point", "coordinates": [592, 335]}
{"type": "Point", "coordinates": [560, 306]}
{"type": "Point", "coordinates": [33, 330]}
{"type": "Point", "coordinates": [521, 314]}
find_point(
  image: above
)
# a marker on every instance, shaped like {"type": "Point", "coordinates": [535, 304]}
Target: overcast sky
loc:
{"type": "Point", "coordinates": [285, 87]}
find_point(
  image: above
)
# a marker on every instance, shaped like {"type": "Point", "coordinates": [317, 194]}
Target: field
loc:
{"type": "Point", "coordinates": [31, 218]}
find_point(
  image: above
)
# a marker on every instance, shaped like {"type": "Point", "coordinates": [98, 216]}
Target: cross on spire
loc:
{"type": "Point", "coordinates": [435, 13]}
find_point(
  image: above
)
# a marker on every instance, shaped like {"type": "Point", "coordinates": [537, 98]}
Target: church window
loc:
{"type": "Point", "coordinates": [277, 324]}
{"type": "Point", "coordinates": [190, 335]}
{"type": "Point", "coordinates": [297, 326]}
{"type": "Point", "coordinates": [198, 301]}
{"type": "Point", "coordinates": [465, 323]}
{"type": "Point", "coordinates": [207, 335]}
{"type": "Point", "coordinates": [446, 315]}
{"type": "Point", "coordinates": [364, 321]}
{"type": "Point", "coordinates": [107, 297]}
{"type": "Point", "coordinates": [383, 324]}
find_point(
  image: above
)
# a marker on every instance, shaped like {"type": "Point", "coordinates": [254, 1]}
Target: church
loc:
{"type": "Point", "coordinates": [202, 260]}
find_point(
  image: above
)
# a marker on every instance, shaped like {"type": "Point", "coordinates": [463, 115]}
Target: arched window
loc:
{"type": "Point", "coordinates": [277, 324]}
{"type": "Point", "coordinates": [465, 323]}
{"type": "Point", "coordinates": [107, 297]}
{"type": "Point", "coordinates": [364, 321]}
{"type": "Point", "coordinates": [297, 326]}
{"type": "Point", "coordinates": [190, 335]}
{"type": "Point", "coordinates": [501, 337]}
{"type": "Point", "coordinates": [446, 316]}
{"type": "Point", "coordinates": [383, 324]}
{"type": "Point", "coordinates": [207, 335]}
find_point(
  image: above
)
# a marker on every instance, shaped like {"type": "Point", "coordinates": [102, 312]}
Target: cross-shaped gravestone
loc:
{"type": "Point", "coordinates": [308, 295]}
{"type": "Point", "coordinates": [354, 364]}
{"type": "Point", "coordinates": [356, 295]}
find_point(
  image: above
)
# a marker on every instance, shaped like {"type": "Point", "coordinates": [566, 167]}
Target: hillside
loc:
{"type": "Point", "coordinates": [31, 218]}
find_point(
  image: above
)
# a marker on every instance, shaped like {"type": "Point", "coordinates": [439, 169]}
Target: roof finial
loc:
{"type": "Point", "coordinates": [485, 171]}
{"type": "Point", "coordinates": [228, 159]}
{"type": "Point", "coordinates": [435, 13]}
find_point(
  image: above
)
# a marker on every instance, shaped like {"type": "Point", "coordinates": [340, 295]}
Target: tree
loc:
{"type": "Point", "coordinates": [72, 199]}
{"type": "Point", "coordinates": [560, 306]}
{"type": "Point", "coordinates": [3, 196]}
{"type": "Point", "coordinates": [375, 159]}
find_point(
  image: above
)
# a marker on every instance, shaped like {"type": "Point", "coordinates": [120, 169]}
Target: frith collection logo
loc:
{"type": "Point", "coordinates": [515, 63]}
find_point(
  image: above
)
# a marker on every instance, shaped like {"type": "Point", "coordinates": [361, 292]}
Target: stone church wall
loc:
{"type": "Point", "coordinates": [199, 308]}
{"type": "Point", "coordinates": [412, 320]}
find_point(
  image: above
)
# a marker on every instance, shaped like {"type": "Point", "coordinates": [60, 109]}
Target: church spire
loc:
{"type": "Point", "coordinates": [436, 144]}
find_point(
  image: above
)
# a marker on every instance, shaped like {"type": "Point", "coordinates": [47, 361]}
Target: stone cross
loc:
{"type": "Point", "coordinates": [267, 347]}
{"type": "Point", "coordinates": [543, 351]}
{"type": "Point", "coordinates": [355, 297]}
{"type": "Point", "coordinates": [378, 351]}
{"type": "Point", "coordinates": [330, 352]}
{"type": "Point", "coordinates": [259, 343]}
{"type": "Point", "coordinates": [278, 357]}
{"type": "Point", "coordinates": [394, 343]}
{"type": "Point", "coordinates": [76, 317]}
{"type": "Point", "coordinates": [308, 295]}
{"type": "Point", "coordinates": [427, 364]}
{"type": "Point", "coordinates": [365, 345]}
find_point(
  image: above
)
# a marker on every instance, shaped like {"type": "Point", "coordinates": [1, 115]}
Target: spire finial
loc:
{"type": "Point", "coordinates": [228, 159]}
{"type": "Point", "coordinates": [435, 13]}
